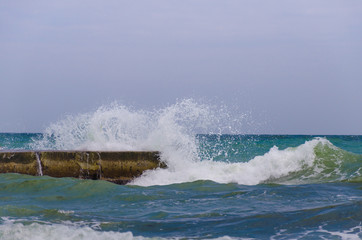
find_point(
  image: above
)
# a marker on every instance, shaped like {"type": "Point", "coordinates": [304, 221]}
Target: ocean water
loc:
{"type": "Point", "coordinates": [219, 184]}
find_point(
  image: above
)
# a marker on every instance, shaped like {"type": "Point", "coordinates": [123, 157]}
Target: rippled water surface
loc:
{"type": "Point", "coordinates": [216, 185]}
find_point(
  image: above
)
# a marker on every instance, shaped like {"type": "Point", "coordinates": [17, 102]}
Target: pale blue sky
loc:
{"type": "Point", "coordinates": [296, 66]}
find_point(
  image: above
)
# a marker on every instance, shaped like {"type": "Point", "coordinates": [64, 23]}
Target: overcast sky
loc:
{"type": "Point", "coordinates": [296, 66]}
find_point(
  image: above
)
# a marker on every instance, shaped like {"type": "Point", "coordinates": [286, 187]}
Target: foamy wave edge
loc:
{"type": "Point", "coordinates": [10, 229]}
{"type": "Point", "coordinates": [354, 233]}
{"type": "Point", "coordinates": [297, 165]}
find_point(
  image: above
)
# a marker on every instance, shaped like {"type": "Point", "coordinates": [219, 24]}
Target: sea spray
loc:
{"type": "Point", "coordinates": [40, 170]}
{"type": "Point", "coordinates": [173, 131]}
{"type": "Point", "coordinates": [273, 165]}
{"type": "Point", "coordinates": [315, 161]}
{"type": "Point", "coordinates": [317, 195]}
{"type": "Point", "coordinates": [117, 127]}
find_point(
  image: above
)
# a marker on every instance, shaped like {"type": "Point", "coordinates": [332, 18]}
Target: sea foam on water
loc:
{"type": "Point", "coordinates": [272, 165]}
{"type": "Point", "coordinates": [191, 140]}
{"type": "Point", "coordinates": [172, 131]}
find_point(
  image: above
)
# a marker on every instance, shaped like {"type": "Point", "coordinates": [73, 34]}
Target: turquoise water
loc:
{"type": "Point", "coordinates": [236, 186]}
{"type": "Point", "coordinates": [216, 186]}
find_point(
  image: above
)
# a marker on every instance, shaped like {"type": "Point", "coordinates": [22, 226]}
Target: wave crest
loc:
{"type": "Point", "coordinates": [172, 131]}
{"type": "Point", "coordinates": [314, 161]}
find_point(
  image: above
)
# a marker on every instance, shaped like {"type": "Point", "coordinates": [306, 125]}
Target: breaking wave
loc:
{"type": "Point", "coordinates": [19, 231]}
{"type": "Point", "coordinates": [173, 131]}
{"type": "Point", "coordinates": [16, 230]}
{"type": "Point", "coordinates": [315, 161]}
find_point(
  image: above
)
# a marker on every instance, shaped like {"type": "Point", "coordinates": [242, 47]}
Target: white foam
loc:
{"type": "Point", "coordinates": [36, 231]}
{"type": "Point", "coordinates": [66, 212]}
{"type": "Point", "coordinates": [272, 165]}
{"type": "Point", "coordinates": [117, 127]}
{"type": "Point", "coordinates": [172, 131]}
{"type": "Point", "coordinates": [354, 233]}
{"type": "Point", "coordinates": [10, 229]}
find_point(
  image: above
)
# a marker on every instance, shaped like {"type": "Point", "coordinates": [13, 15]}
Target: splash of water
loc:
{"type": "Point", "coordinates": [272, 165]}
{"type": "Point", "coordinates": [315, 161]}
{"type": "Point", "coordinates": [40, 170]}
{"type": "Point", "coordinates": [117, 127]}
{"type": "Point", "coordinates": [172, 131]}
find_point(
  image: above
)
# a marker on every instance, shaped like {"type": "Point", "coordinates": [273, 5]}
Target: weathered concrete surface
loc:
{"type": "Point", "coordinates": [69, 164]}
{"type": "Point", "coordinates": [117, 167]}
{"type": "Point", "coordinates": [18, 162]}
{"type": "Point", "coordinates": [127, 164]}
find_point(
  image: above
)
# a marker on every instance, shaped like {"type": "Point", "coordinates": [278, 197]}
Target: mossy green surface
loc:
{"type": "Point", "coordinates": [118, 167]}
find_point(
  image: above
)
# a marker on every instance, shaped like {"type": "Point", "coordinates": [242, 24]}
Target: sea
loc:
{"type": "Point", "coordinates": [219, 183]}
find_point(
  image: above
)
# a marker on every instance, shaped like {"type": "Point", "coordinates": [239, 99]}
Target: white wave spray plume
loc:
{"type": "Point", "coordinates": [273, 165]}
{"type": "Point", "coordinates": [172, 131]}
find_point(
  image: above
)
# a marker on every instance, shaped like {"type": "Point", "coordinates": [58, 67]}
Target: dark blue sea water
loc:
{"type": "Point", "coordinates": [308, 188]}
{"type": "Point", "coordinates": [216, 186]}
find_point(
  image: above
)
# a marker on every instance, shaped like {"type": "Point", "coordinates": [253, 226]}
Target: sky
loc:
{"type": "Point", "coordinates": [294, 66]}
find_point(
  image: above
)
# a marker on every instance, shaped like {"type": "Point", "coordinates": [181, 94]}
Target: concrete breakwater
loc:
{"type": "Point", "coordinates": [116, 167]}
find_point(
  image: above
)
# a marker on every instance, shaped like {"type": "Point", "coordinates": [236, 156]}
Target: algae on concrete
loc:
{"type": "Point", "coordinates": [117, 167]}
{"type": "Point", "coordinates": [127, 164]}
{"type": "Point", "coordinates": [69, 164]}
{"type": "Point", "coordinates": [18, 162]}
